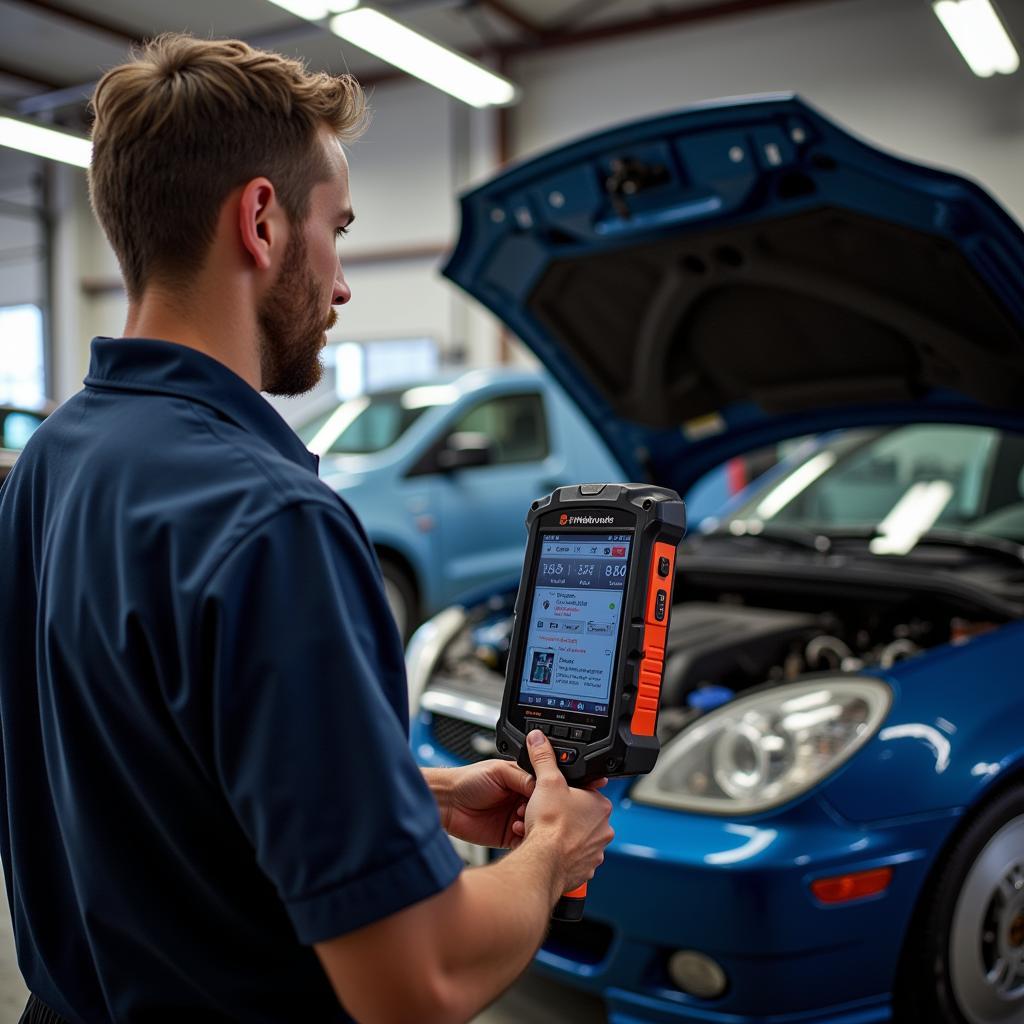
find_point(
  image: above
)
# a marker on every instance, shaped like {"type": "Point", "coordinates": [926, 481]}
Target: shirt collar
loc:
{"type": "Point", "coordinates": [163, 367]}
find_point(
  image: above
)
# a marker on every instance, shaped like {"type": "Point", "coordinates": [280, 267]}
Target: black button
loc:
{"type": "Point", "coordinates": [577, 733]}
{"type": "Point", "coordinates": [659, 605]}
{"type": "Point", "coordinates": [663, 565]}
{"type": "Point", "coordinates": [591, 489]}
{"type": "Point", "coordinates": [560, 732]}
{"type": "Point", "coordinates": [531, 726]}
{"type": "Point", "coordinates": [565, 755]}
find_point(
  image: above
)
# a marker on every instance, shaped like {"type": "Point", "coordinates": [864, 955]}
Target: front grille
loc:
{"type": "Point", "coordinates": [465, 740]}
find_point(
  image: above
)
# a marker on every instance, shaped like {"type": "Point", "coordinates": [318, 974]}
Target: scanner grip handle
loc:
{"type": "Point", "coordinates": [570, 905]}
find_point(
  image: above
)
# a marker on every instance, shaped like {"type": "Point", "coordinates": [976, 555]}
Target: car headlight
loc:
{"type": "Point", "coordinates": [765, 749]}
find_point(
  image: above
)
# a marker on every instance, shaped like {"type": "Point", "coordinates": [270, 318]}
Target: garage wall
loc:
{"type": "Point", "coordinates": [885, 68]}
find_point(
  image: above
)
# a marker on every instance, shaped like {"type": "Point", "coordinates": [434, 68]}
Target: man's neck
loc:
{"type": "Point", "coordinates": [216, 328]}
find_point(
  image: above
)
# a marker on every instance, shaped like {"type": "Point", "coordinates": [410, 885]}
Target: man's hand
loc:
{"type": "Point", "coordinates": [482, 803]}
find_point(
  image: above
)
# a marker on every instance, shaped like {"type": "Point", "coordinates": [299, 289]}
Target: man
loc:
{"type": "Point", "coordinates": [211, 810]}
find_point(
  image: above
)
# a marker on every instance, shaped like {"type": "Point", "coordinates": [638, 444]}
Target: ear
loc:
{"type": "Point", "coordinates": [259, 221]}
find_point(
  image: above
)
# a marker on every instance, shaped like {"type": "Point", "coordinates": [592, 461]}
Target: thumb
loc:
{"type": "Point", "coordinates": [542, 757]}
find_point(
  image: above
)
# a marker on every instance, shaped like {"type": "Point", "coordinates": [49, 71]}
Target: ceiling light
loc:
{"type": "Point", "coordinates": [979, 35]}
{"type": "Point", "coordinates": [416, 54]}
{"type": "Point", "coordinates": [46, 142]}
{"type": "Point", "coordinates": [316, 10]}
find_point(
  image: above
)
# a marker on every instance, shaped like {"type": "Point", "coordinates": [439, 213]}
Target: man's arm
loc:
{"type": "Point", "coordinates": [443, 959]}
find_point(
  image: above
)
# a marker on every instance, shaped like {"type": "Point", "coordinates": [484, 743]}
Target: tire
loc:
{"type": "Point", "coordinates": [964, 962]}
{"type": "Point", "coordinates": [401, 595]}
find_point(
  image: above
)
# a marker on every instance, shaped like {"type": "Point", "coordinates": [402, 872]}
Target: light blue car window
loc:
{"type": "Point", "coordinates": [18, 427]}
{"type": "Point", "coordinates": [369, 423]}
{"type": "Point", "coordinates": [515, 425]}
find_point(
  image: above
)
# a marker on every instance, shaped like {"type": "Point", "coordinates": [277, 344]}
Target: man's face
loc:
{"type": "Point", "coordinates": [297, 312]}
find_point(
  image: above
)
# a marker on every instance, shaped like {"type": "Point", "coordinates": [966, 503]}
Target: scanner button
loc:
{"type": "Point", "coordinates": [560, 732]}
{"type": "Point", "coordinates": [565, 755]}
{"type": "Point", "coordinates": [589, 490]}
{"type": "Point", "coordinates": [578, 733]}
{"type": "Point", "coordinates": [659, 605]}
{"type": "Point", "coordinates": [663, 566]}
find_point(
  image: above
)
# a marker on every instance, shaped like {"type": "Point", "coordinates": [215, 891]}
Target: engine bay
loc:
{"type": "Point", "coordinates": [722, 643]}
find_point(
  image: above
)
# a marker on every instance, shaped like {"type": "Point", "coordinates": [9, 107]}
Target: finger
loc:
{"type": "Point", "coordinates": [521, 811]}
{"type": "Point", "coordinates": [518, 828]}
{"type": "Point", "coordinates": [597, 783]}
{"type": "Point", "coordinates": [542, 757]}
{"type": "Point", "coordinates": [512, 777]}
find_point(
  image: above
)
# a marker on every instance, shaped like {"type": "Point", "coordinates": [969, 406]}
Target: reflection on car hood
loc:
{"type": "Point", "coordinates": [736, 273]}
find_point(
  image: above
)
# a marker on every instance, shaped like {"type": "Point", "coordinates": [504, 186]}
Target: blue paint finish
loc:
{"type": "Point", "coordinates": [953, 732]}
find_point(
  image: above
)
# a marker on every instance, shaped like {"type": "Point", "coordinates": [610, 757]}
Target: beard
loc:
{"type": "Point", "coordinates": [292, 326]}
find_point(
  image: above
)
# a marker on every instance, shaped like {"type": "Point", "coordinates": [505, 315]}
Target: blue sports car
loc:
{"type": "Point", "coordinates": [834, 831]}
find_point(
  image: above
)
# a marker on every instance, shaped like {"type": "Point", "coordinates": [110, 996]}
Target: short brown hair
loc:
{"type": "Point", "coordinates": [188, 120]}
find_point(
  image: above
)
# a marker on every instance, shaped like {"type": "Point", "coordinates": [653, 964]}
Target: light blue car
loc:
{"type": "Point", "coordinates": [440, 471]}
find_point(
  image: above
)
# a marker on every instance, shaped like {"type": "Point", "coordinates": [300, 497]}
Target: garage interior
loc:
{"type": "Point", "coordinates": [885, 69]}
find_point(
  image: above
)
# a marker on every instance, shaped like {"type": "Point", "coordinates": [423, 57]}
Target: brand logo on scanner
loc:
{"type": "Point", "coordinates": [567, 520]}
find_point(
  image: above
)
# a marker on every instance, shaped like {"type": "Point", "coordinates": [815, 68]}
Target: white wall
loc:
{"type": "Point", "coordinates": [884, 68]}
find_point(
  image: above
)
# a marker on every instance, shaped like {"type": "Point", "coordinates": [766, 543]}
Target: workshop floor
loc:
{"type": "Point", "coordinates": [531, 1000]}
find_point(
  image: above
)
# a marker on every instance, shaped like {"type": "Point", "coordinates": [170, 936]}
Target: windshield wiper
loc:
{"type": "Point", "coordinates": [1005, 550]}
{"type": "Point", "coordinates": [816, 540]}
{"type": "Point", "coordinates": [791, 536]}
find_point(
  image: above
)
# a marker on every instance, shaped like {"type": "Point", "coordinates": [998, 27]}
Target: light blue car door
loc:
{"type": "Point", "coordinates": [483, 508]}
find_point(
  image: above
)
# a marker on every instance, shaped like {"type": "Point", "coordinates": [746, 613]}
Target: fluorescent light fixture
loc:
{"type": "Point", "coordinates": [979, 35]}
{"type": "Point", "coordinates": [46, 142]}
{"type": "Point", "coordinates": [416, 54]}
{"type": "Point", "coordinates": [316, 10]}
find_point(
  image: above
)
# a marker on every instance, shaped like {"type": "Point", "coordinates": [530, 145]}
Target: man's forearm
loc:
{"type": "Point", "coordinates": [497, 918]}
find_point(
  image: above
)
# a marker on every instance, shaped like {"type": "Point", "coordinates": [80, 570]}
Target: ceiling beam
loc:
{"type": "Point", "coordinates": [88, 21]}
{"type": "Point", "coordinates": [666, 19]}
{"type": "Point", "coordinates": [31, 77]}
{"type": "Point", "coordinates": [514, 17]}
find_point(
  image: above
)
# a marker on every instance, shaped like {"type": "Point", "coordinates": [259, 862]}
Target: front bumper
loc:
{"type": "Point", "coordinates": [739, 891]}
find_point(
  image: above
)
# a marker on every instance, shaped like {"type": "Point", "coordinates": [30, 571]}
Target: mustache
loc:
{"type": "Point", "coordinates": [332, 319]}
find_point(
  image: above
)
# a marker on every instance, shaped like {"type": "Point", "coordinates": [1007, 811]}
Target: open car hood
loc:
{"type": "Point", "coordinates": [709, 281]}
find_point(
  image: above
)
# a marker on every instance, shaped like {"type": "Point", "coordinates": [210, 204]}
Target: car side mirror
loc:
{"type": "Point", "coordinates": [464, 450]}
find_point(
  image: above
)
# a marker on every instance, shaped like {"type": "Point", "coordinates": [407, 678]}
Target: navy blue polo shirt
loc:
{"type": "Point", "coordinates": [203, 703]}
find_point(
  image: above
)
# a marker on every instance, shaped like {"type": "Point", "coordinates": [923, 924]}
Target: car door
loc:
{"type": "Point", "coordinates": [483, 508]}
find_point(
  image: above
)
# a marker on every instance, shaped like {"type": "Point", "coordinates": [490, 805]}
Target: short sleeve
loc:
{"type": "Point", "coordinates": [305, 678]}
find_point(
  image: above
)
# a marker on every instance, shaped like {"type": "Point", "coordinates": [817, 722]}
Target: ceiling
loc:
{"type": "Point", "coordinates": [53, 51]}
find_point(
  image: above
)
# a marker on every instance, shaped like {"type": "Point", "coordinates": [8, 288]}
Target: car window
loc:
{"type": "Point", "coordinates": [515, 424]}
{"type": "Point", "coordinates": [16, 428]}
{"type": "Point", "coordinates": [867, 479]}
{"type": "Point", "coordinates": [369, 423]}
{"type": "Point", "coordinates": [972, 477]}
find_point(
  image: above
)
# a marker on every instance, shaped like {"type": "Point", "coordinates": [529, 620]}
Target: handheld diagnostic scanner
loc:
{"type": "Point", "coordinates": [588, 643]}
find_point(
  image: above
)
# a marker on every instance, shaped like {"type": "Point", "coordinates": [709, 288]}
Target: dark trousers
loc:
{"type": "Point", "coordinates": [37, 1012]}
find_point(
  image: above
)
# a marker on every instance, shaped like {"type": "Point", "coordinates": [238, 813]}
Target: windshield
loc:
{"type": "Point", "coordinates": [360, 426]}
{"type": "Point", "coordinates": [908, 479]}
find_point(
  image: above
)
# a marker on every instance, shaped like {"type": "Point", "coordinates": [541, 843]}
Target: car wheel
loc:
{"type": "Point", "coordinates": [966, 962]}
{"type": "Point", "coordinates": [401, 595]}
